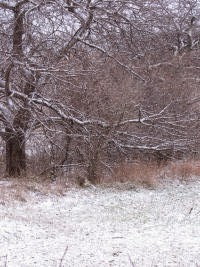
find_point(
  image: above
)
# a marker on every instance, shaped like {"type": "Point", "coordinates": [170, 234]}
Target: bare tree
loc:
{"type": "Point", "coordinates": [40, 41]}
{"type": "Point", "coordinates": [108, 77]}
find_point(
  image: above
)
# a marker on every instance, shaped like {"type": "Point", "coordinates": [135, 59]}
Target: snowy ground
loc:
{"type": "Point", "coordinates": [104, 227]}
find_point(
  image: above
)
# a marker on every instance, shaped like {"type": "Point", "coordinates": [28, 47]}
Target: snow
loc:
{"type": "Point", "coordinates": [104, 227]}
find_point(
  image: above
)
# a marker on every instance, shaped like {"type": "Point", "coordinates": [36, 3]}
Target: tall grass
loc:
{"type": "Point", "coordinates": [150, 173]}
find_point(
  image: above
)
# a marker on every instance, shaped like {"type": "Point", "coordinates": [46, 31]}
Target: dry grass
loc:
{"type": "Point", "coordinates": [147, 174]}
{"type": "Point", "coordinates": [183, 170]}
{"type": "Point", "coordinates": [140, 173]}
{"type": "Point", "coordinates": [21, 189]}
{"type": "Point", "coordinates": [150, 173]}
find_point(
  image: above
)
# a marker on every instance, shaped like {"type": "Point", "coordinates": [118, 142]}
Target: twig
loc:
{"type": "Point", "coordinates": [131, 262]}
{"type": "Point", "coordinates": [191, 210]}
{"type": "Point", "coordinates": [59, 166]}
{"type": "Point", "coordinates": [63, 256]}
{"type": "Point", "coordinates": [6, 260]}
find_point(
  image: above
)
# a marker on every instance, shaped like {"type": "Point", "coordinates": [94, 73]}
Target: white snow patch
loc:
{"type": "Point", "coordinates": [104, 227]}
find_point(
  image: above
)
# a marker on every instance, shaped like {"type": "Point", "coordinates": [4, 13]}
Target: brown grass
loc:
{"type": "Point", "coordinates": [147, 174]}
{"type": "Point", "coordinates": [21, 189]}
{"type": "Point", "coordinates": [184, 170]}
{"type": "Point", "coordinates": [150, 173]}
{"type": "Point", "coordinates": [140, 173]}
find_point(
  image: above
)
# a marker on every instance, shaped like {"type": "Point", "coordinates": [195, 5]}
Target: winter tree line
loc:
{"type": "Point", "coordinates": [89, 83]}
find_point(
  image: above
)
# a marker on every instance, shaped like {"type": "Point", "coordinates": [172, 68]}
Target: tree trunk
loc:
{"type": "Point", "coordinates": [92, 173]}
{"type": "Point", "coordinates": [92, 170]}
{"type": "Point", "coordinates": [15, 144]}
{"type": "Point", "coordinates": [15, 136]}
{"type": "Point", "coordinates": [15, 153]}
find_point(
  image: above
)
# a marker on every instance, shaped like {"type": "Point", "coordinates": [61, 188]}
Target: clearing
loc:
{"type": "Point", "coordinates": [103, 226]}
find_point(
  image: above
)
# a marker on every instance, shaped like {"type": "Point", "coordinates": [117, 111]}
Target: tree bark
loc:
{"type": "Point", "coordinates": [92, 170]}
{"type": "Point", "coordinates": [15, 144]}
{"type": "Point", "coordinates": [15, 135]}
{"type": "Point", "coordinates": [15, 153]}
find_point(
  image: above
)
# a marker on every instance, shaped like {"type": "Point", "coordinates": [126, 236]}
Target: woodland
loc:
{"type": "Point", "coordinates": [87, 84]}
